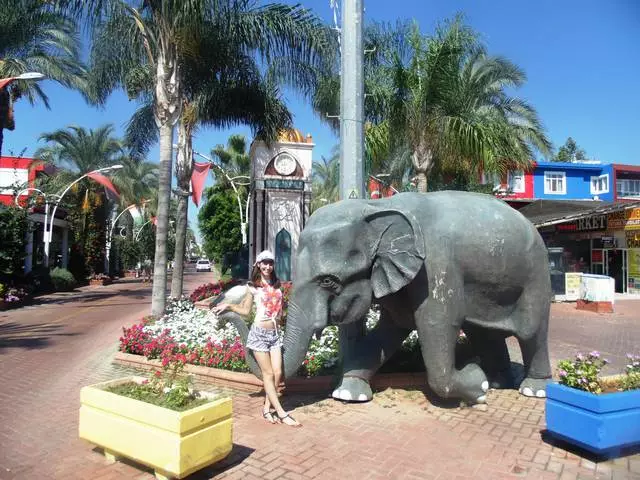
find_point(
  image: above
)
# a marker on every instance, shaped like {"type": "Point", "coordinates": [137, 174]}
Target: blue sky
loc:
{"type": "Point", "coordinates": [581, 59]}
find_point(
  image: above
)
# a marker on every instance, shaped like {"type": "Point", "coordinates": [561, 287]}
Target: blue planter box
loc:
{"type": "Point", "coordinates": [602, 424]}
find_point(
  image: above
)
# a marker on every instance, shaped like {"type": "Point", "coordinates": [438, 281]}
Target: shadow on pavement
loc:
{"type": "Point", "coordinates": [87, 297]}
{"type": "Point", "coordinates": [550, 439]}
{"type": "Point", "coordinates": [239, 453]}
{"type": "Point", "coordinates": [15, 335]}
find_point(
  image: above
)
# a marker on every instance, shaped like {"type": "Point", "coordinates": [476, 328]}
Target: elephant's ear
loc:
{"type": "Point", "coordinates": [397, 249]}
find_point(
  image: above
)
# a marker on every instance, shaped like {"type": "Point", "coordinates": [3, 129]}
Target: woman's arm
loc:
{"type": "Point", "coordinates": [243, 308]}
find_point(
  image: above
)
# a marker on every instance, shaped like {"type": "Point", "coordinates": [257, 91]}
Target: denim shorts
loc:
{"type": "Point", "coordinates": [263, 340]}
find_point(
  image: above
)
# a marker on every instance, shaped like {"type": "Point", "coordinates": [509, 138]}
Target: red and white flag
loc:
{"type": "Point", "coordinates": [104, 181]}
{"type": "Point", "coordinates": [198, 177]}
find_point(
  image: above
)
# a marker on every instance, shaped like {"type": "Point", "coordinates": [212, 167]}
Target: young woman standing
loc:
{"type": "Point", "coordinates": [264, 292]}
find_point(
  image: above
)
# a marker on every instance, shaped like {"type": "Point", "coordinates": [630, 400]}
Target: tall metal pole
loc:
{"type": "Point", "coordinates": [351, 143]}
{"type": "Point", "coordinates": [352, 102]}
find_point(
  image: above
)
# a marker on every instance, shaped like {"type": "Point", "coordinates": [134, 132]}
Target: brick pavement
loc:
{"type": "Point", "coordinates": [49, 352]}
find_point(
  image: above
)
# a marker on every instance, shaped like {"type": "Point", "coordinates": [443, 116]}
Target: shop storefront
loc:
{"type": "Point", "coordinates": [624, 227]}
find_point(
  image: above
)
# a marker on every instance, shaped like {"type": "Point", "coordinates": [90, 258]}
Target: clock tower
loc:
{"type": "Point", "coordinates": [280, 197]}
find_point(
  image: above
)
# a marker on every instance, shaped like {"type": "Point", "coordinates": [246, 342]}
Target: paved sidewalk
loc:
{"type": "Point", "coordinates": [49, 352]}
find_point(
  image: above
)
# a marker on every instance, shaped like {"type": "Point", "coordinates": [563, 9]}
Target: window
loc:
{"type": "Point", "coordinates": [600, 184]}
{"type": "Point", "coordinates": [555, 183]}
{"type": "Point", "coordinates": [492, 178]}
{"type": "Point", "coordinates": [515, 180]}
{"type": "Point", "coordinates": [12, 179]}
{"type": "Point", "coordinates": [628, 188]}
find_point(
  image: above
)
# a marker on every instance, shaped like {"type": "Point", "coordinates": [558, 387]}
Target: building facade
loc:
{"type": "Point", "coordinates": [280, 197]}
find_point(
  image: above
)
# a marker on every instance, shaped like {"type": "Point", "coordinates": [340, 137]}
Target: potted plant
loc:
{"type": "Point", "coordinates": [99, 279]}
{"type": "Point", "coordinates": [161, 422]}
{"type": "Point", "coordinates": [601, 415]}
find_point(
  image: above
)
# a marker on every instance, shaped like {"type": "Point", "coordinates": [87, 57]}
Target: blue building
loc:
{"type": "Point", "coordinates": [573, 181]}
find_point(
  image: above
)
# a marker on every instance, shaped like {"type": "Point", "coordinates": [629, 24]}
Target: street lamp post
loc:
{"type": "Point", "coordinates": [45, 236]}
{"type": "Point", "coordinates": [48, 223]}
{"type": "Point", "coordinates": [243, 215]}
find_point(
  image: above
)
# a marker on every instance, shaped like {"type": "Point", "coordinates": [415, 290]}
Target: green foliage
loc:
{"type": "Point", "coordinates": [167, 388]}
{"type": "Point", "coordinates": [631, 379]}
{"type": "Point", "coordinates": [582, 372]}
{"type": "Point", "coordinates": [62, 279]}
{"type": "Point", "coordinates": [219, 223]}
{"type": "Point", "coordinates": [13, 229]}
{"type": "Point", "coordinates": [570, 152]}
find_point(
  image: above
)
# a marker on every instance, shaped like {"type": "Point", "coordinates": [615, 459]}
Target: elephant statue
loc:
{"type": "Point", "coordinates": [435, 262]}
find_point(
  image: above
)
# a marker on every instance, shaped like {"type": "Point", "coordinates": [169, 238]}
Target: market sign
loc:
{"type": "Point", "coordinates": [633, 239]}
{"type": "Point", "coordinates": [592, 222]}
{"type": "Point", "coordinates": [624, 219]}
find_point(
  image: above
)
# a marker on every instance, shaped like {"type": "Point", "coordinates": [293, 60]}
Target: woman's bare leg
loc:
{"type": "Point", "coordinates": [268, 379]}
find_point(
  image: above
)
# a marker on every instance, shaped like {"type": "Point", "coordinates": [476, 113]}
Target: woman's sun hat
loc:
{"type": "Point", "coordinates": [265, 255]}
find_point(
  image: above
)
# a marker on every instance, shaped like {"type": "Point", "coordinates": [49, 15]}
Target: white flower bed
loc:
{"type": "Point", "coordinates": [194, 327]}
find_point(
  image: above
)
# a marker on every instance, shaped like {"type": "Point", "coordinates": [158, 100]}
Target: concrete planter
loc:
{"type": "Point", "coordinates": [249, 382]}
{"type": "Point", "coordinates": [602, 424]}
{"type": "Point", "coordinates": [175, 444]}
{"type": "Point", "coordinates": [130, 274]}
{"type": "Point", "coordinates": [100, 282]}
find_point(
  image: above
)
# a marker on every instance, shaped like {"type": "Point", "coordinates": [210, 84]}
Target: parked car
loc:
{"type": "Point", "coordinates": [203, 266]}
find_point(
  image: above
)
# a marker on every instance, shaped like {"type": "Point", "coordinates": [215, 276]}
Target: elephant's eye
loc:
{"type": "Point", "coordinates": [330, 282]}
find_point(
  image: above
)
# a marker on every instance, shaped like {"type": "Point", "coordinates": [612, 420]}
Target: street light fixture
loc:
{"type": "Point", "coordinates": [243, 215]}
{"type": "Point", "coordinates": [48, 229]}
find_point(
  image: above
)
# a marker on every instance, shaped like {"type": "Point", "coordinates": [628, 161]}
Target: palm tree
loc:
{"type": "Point", "coordinates": [35, 37]}
{"type": "Point", "coordinates": [326, 181]}
{"type": "Point", "coordinates": [438, 104]}
{"type": "Point", "coordinates": [160, 35]}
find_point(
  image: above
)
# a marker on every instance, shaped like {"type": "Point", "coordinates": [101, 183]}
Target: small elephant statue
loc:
{"type": "Point", "coordinates": [435, 262]}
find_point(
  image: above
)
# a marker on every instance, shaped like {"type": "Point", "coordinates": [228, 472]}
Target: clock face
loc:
{"type": "Point", "coordinates": [284, 164]}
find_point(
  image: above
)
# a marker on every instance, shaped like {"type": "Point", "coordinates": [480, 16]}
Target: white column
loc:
{"type": "Point", "coordinates": [65, 246]}
{"type": "Point", "coordinates": [28, 259]}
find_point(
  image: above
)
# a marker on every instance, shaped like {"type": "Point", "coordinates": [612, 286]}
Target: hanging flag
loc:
{"type": "Point", "coordinates": [136, 214]}
{"type": "Point", "coordinates": [104, 181]}
{"type": "Point", "coordinates": [6, 81]}
{"type": "Point", "coordinates": [198, 177]}
{"type": "Point", "coordinates": [378, 189]}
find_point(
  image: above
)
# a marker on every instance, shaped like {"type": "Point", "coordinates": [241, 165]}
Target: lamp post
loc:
{"type": "Point", "coordinates": [45, 237]}
{"type": "Point", "coordinates": [48, 230]}
{"type": "Point", "coordinates": [243, 215]}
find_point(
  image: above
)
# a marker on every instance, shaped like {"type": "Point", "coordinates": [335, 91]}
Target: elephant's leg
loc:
{"type": "Point", "coordinates": [535, 351]}
{"type": "Point", "coordinates": [533, 341]}
{"type": "Point", "coordinates": [491, 347]}
{"type": "Point", "coordinates": [438, 329]}
{"type": "Point", "coordinates": [365, 356]}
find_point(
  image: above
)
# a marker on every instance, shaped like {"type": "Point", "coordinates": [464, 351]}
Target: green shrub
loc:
{"type": "Point", "coordinates": [62, 279]}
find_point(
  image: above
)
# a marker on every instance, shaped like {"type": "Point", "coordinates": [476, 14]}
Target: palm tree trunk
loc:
{"type": "Point", "coordinates": [1, 137]}
{"type": "Point", "coordinates": [159, 293]}
{"type": "Point", "coordinates": [422, 159]}
{"type": "Point", "coordinates": [184, 169]}
{"type": "Point", "coordinates": [422, 182]}
{"type": "Point", "coordinates": [181, 235]}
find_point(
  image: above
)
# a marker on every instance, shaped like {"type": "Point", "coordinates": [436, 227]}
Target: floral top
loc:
{"type": "Point", "coordinates": [268, 303]}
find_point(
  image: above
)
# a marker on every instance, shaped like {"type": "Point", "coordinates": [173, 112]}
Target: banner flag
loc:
{"type": "Point", "coordinates": [198, 177]}
{"type": "Point", "coordinates": [105, 182]}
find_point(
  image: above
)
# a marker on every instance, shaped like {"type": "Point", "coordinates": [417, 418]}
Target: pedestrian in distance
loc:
{"type": "Point", "coordinates": [264, 293]}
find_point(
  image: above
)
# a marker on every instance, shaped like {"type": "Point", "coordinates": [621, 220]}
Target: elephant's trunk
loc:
{"type": "Point", "coordinates": [298, 334]}
{"type": "Point", "coordinates": [243, 331]}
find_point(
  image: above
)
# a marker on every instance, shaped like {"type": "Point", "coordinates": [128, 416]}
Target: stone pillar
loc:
{"type": "Point", "coordinates": [28, 259]}
{"type": "Point", "coordinates": [259, 241]}
{"type": "Point", "coordinates": [65, 246]}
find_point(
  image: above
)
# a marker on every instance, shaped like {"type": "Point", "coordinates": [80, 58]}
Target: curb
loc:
{"type": "Point", "coordinates": [249, 382]}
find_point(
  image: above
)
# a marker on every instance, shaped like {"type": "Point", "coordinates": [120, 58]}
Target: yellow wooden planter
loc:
{"type": "Point", "coordinates": [175, 444]}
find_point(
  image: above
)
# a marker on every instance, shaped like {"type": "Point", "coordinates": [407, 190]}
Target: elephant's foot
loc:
{"type": "Point", "coordinates": [534, 387]}
{"type": "Point", "coordinates": [501, 380]}
{"type": "Point", "coordinates": [470, 384]}
{"type": "Point", "coordinates": [353, 389]}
